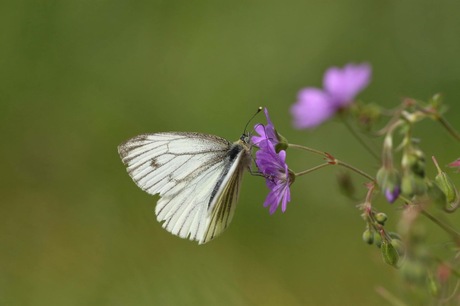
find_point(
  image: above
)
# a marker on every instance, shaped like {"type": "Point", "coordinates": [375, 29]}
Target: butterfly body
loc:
{"type": "Point", "coordinates": [196, 175]}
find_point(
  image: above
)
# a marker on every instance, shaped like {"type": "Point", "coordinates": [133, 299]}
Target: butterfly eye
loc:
{"type": "Point", "coordinates": [246, 137]}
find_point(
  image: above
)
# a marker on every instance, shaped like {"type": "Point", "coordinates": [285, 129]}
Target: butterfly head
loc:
{"type": "Point", "coordinates": [246, 136]}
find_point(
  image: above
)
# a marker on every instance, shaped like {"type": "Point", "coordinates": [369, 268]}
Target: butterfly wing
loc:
{"type": "Point", "coordinates": [196, 175]}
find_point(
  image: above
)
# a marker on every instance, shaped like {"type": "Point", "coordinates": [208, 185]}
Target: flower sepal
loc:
{"type": "Point", "coordinates": [282, 144]}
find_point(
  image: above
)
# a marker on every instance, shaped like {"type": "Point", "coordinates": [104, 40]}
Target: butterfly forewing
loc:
{"type": "Point", "coordinates": [196, 175]}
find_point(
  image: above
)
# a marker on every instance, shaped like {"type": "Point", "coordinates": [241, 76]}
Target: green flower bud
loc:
{"type": "Point", "coordinates": [390, 254]}
{"type": "Point", "coordinates": [381, 218]}
{"type": "Point", "coordinates": [389, 182]}
{"type": "Point", "coordinates": [414, 162]}
{"type": "Point", "coordinates": [377, 239]}
{"type": "Point", "coordinates": [412, 185]}
{"type": "Point", "coordinates": [399, 247]}
{"type": "Point", "coordinates": [442, 180]}
{"type": "Point", "coordinates": [436, 195]}
{"type": "Point", "coordinates": [368, 236]}
{"type": "Point", "coordinates": [445, 184]}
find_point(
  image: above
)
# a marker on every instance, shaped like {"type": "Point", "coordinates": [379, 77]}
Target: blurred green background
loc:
{"type": "Point", "coordinates": [79, 77]}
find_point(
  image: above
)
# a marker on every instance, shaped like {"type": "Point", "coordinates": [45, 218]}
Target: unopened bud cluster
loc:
{"type": "Point", "coordinates": [413, 169]}
{"type": "Point", "coordinates": [410, 180]}
{"type": "Point", "coordinates": [390, 243]}
{"type": "Point", "coordinates": [388, 177]}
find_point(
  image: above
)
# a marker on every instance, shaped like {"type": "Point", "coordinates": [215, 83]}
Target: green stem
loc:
{"type": "Point", "coordinates": [449, 128]}
{"type": "Point", "coordinates": [312, 169]}
{"type": "Point", "coordinates": [332, 160]}
{"type": "Point", "coordinates": [356, 170]}
{"type": "Point", "coordinates": [447, 228]}
{"type": "Point", "coordinates": [438, 117]}
{"type": "Point", "coordinates": [450, 230]}
{"type": "Point", "coordinates": [308, 149]}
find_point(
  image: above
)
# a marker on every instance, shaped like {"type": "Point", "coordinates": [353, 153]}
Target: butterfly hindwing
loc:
{"type": "Point", "coordinates": [225, 204]}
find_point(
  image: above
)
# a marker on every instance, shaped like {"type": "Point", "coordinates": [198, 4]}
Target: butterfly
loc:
{"type": "Point", "coordinates": [197, 176]}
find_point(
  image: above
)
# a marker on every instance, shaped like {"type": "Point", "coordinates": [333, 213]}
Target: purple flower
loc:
{"type": "Point", "coordinates": [266, 132]}
{"type": "Point", "coordinates": [341, 86]}
{"type": "Point", "coordinates": [392, 194]}
{"type": "Point", "coordinates": [389, 181]}
{"type": "Point", "coordinates": [277, 175]}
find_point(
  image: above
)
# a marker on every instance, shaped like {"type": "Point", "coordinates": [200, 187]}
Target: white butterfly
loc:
{"type": "Point", "coordinates": [197, 176]}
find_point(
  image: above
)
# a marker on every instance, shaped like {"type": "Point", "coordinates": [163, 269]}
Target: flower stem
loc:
{"type": "Point", "coordinates": [447, 228]}
{"type": "Point", "coordinates": [291, 145]}
{"type": "Point", "coordinates": [435, 115]}
{"type": "Point", "coordinates": [332, 160]}
{"type": "Point", "coordinates": [449, 128]}
{"type": "Point", "coordinates": [356, 170]}
{"type": "Point", "coordinates": [312, 169]}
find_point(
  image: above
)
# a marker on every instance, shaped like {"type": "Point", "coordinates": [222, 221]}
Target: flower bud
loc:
{"type": "Point", "coordinates": [389, 253]}
{"type": "Point", "coordinates": [414, 162]}
{"type": "Point", "coordinates": [381, 218]}
{"type": "Point", "coordinates": [377, 239]}
{"type": "Point", "coordinates": [368, 236]}
{"type": "Point", "coordinates": [389, 182]}
{"type": "Point", "coordinates": [399, 246]}
{"type": "Point", "coordinates": [412, 185]}
{"type": "Point", "coordinates": [445, 184]}
{"type": "Point", "coordinates": [442, 180]}
{"type": "Point", "coordinates": [436, 195]}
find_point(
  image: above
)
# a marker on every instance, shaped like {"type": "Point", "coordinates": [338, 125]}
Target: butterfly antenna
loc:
{"type": "Point", "coordinates": [246, 127]}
